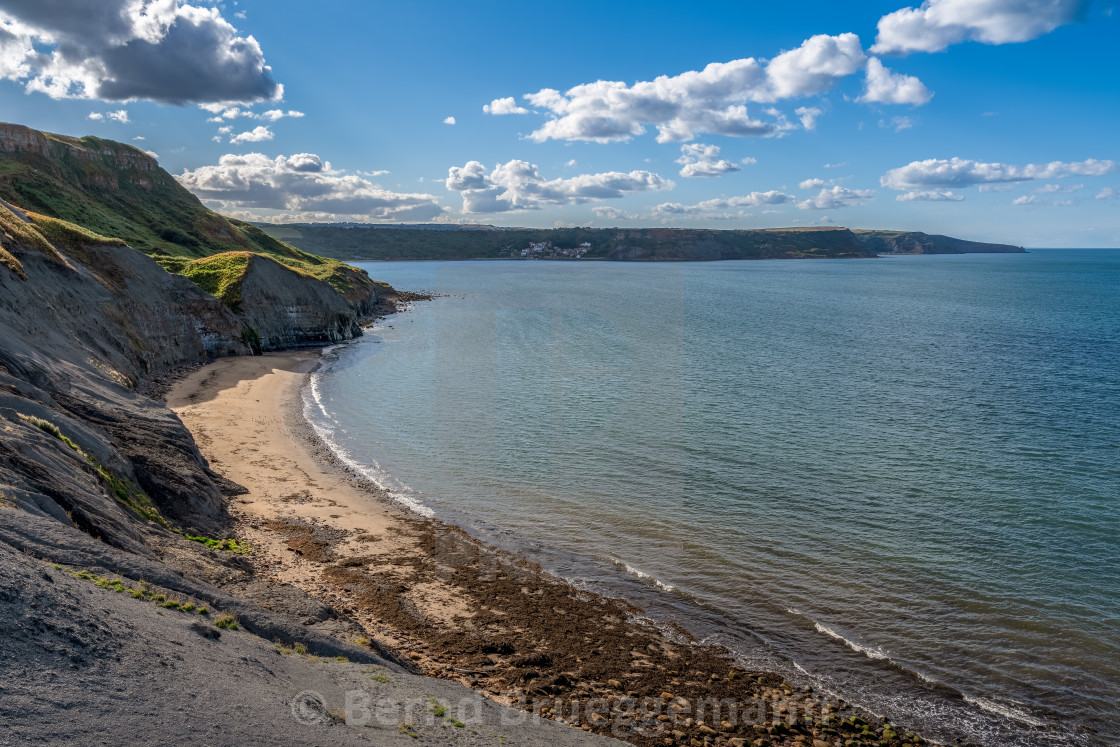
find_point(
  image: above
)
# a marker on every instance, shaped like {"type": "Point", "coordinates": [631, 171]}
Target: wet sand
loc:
{"type": "Point", "coordinates": [466, 612]}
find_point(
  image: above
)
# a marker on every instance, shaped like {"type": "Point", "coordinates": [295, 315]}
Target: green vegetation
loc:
{"type": "Point", "coordinates": [129, 495]}
{"type": "Point", "coordinates": [484, 242]}
{"type": "Point", "coordinates": [101, 191]}
{"type": "Point", "coordinates": [253, 340]}
{"type": "Point", "coordinates": [142, 591]}
{"type": "Point", "coordinates": [437, 709]}
{"type": "Point", "coordinates": [14, 231]}
{"type": "Point", "coordinates": [220, 275]}
{"type": "Point", "coordinates": [64, 234]}
{"type": "Point", "coordinates": [12, 263]}
{"type": "Point", "coordinates": [124, 491]}
{"type": "Point", "coordinates": [227, 622]}
{"type": "Point", "coordinates": [50, 429]}
{"type": "Point", "coordinates": [225, 545]}
{"type": "Point", "coordinates": [299, 649]}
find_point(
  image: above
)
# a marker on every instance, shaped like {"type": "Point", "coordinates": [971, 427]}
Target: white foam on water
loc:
{"type": "Point", "coordinates": [924, 678]}
{"type": "Point", "coordinates": [315, 413]}
{"type": "Point", "coordinates": [1005, 710]}
{"type": "Point", "coordinates": [870, 653]}
{"type": "Point", "coordinates": [638, 573]}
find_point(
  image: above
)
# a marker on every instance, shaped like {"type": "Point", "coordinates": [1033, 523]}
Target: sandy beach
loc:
{"type": "Point", "coordinates": [465, 612]}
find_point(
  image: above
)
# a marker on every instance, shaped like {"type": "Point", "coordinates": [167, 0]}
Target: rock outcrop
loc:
{"type": "Point", "coordinates": [78, 331]}
{"type": "Point", "coordinates": [117, 191]}
{"type": "Point", "coordinates": [286, 309]}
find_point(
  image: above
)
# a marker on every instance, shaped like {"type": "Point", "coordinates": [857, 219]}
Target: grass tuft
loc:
{"type": "Point", "coordinates": [227, 622]}
{"type": "Point", "coordinates": [220, 275]}
{"type": "Point", "coordinates": [225, 545]}
{"type": "Point", "coordinates": [67, 235]}
{"type": "Point", "coordinates": [15, 233]}
{"type": "Point", "coordinates": [125, 492]}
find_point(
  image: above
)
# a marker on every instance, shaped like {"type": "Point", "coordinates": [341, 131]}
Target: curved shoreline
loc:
{"type": "Point", "coordinates": [466, 612]}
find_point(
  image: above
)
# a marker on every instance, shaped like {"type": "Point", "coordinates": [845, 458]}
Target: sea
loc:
{"type": "Point", "coordinates": [894, 479]}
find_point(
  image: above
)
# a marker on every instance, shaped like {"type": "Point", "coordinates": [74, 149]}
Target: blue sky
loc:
{"type": "Point", "coordinates": [986, 119]}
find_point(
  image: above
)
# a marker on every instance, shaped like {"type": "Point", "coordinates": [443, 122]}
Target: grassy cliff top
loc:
{"type": "Point", "coordinates": [114, 191]}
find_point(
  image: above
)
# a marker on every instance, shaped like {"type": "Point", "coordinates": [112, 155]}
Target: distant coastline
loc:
{"type": "Point", "coordinates": [372, 242]}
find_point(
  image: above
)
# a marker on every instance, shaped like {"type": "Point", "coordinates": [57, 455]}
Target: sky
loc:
{"type": "Point", "coordinates": [994, 120]}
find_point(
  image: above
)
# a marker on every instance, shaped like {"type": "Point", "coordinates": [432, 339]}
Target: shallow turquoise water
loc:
{"type": "Point", "coordinates": [896, 478]}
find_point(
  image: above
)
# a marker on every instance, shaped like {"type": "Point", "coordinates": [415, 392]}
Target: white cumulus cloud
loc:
{"type": "Point", "coordinates": [519, 185]}
{"type": "Point", "coordinates": [937, 24]}
{"type": "Point", "coordinates": [703, 161]}
{"type": "Point", "coordinates": [611, 213]}
{"type": "Point", "coordinates": [258, 134]}
{"type": "Point", "coordinates": [723, 207]}
{"type": "Point", "coordinates": [808, 116]}
{"type": "Point", "coordinates": [123, 50]}
{"type": "Point", "coordinates": [713, 100]}
{"type": "Point", "coordinates": [304, 185]}
{"type": "Point", "coordinates": [121, 115]}
{"type": "Point", "coordinates": [837, 197]}
{"type": "Point", "coordinates": [1052, 188]}
{"type": "Point", "coordinates": [898, 124]}
{"type": "Point", "coordinates": [930, 195]}
{"type": "Point", "coordinates": [963, 172]}
{"type": "Point", "coordinates": [1108, 193]}
{"type": "Point", "coordinates": [449, 120]}
{"type": "Point", "coordinates": [223, 112]}
{"type": "Point", "coordinates": [882, 86]}
{"type": "Point", "coordinates": [504, 106]}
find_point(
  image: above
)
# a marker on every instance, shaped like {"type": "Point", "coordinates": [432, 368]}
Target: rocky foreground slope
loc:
{"type": "Point", "coordinates": [128, 614]}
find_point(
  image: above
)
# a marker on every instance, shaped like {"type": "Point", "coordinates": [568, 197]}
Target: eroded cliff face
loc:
{"type": "Point", "coordinates": [100, 158]}
{"type": "Point", "coordinates": [76, 178]}
{"type": "Point", "coordinates": [78, 330]}
{"type": "Point", "coordinates": [286, 309]}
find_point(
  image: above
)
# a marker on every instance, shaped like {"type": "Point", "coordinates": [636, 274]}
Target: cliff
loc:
{"type": "Point", "coordinates": [696, 245]}
{"type": "Point", "coordinates": [916, 242]}
{"type": "Point", "coordinates": [371, 242]}
{"type": "Point", "coordinates": [92, 473]}
{"type": "Point", "coordinates": [78, 189]}
{"type": "Point", "coordinates": [115, 567]}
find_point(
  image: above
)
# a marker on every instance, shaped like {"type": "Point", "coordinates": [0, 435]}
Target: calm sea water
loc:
{"type": "Point", "coordinates": [898, 479]}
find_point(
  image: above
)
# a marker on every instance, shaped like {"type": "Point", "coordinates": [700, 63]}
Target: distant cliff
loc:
{"type": "Point", "coordinates": [916, 242]}
{"type": "Point", "coordinates": [83, 193]}
{"type": "Point", "coordinates": [371, 242]}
